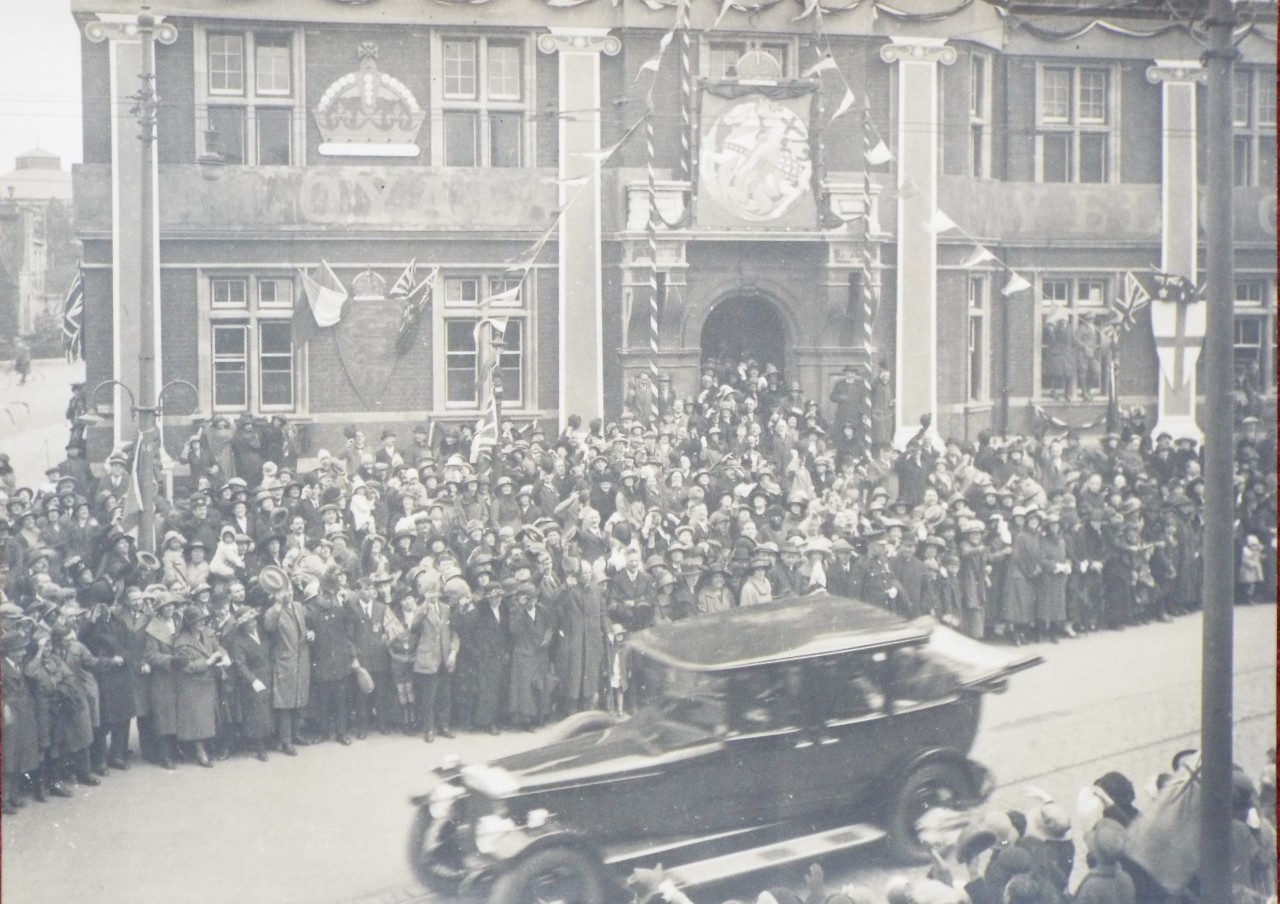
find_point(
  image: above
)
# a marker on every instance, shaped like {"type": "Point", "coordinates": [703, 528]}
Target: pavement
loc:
{"type": "Point", "coordinates": [330, 826]}
{"type": "Point", "coordinates": [33, 426]}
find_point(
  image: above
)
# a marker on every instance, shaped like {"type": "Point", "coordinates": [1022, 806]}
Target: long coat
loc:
{"type": "Point", "coordinates": [197, 683]}
{"type": "Point", "coordinates": [583, 624]}
{"type": "Point", "coordinates": [1051, 601]}
{"type": "Point", "coordinates": [531, 680]}
{"type": "Point", "coordinates": [251, 659]}
{"type": "Point", "coordinates": [62, 712]}
{"type": "Point", "coordinates": [286, 623]}
{"type": "Point", "coordinates": [83, 665]}
{"type": "Point", "coordinates": [21, 735]}
{"type": "Point", "coordinates": [973, 589]}
{"type": "Point", "coordinates": [1021, 578]}
{"type": "Point", "coordinates": [488, 641]}
{"type": "Point", "coordinates": [118, 684]}
{"type": "Point", "coordinates": [164, 689]}
{"type": "Point", "coordinates": [331, 651]}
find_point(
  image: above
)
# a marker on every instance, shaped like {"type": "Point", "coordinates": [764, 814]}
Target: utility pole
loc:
{"type": "Point", "coordinates": [1219, 494]}
{"type": "Point", "coordinates": [146, 105]}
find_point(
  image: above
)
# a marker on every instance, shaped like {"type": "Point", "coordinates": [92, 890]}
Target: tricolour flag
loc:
{"type": "Point", "coordinates": [73, 318]}
{"type": "Point", "coordinates": [326, 295]}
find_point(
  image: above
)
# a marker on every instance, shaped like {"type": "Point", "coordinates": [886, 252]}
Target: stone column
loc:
{"type": "Point", "coordinates": [581, 341]}
{"type": "Point", "coordinates": [125, 49]}
{"type": "Point", "coordinates": [1178, 329]}
{"type": "Point", "coordinates": [917, 284]}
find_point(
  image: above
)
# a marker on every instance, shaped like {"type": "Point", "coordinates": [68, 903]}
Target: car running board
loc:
{"type": "Point", "coordinates": [805, 847]}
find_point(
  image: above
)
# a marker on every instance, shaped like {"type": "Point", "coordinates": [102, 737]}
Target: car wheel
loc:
{"type": "Point", "coordinates": [929, 787]}
{"type": "Point", "coordinates": [579, 724]}
{"type": "Point", "coordinates": [434, 854]}
{"type": "Point", "coordinates": [555, 875]}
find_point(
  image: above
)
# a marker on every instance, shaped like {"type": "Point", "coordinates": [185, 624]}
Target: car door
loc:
{"type": "Point", "coordinates": [847, 746]}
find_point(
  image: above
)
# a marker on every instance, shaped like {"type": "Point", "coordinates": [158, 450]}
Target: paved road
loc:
{"type": "Point", "coordinates": [329, 826]}
{"type": "Point", "coordinates": [33, 429]}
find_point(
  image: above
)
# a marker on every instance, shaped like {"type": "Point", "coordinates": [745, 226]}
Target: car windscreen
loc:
{"type": "Point", "coordinates": [696, 699]}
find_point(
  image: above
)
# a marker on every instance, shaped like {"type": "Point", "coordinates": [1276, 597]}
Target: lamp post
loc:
{"type": "Point", "coordinates": [150, 440]}
{"type": "Point", "coordinates": [1219, 496]}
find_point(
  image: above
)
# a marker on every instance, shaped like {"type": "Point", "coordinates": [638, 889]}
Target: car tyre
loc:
{"type": "Point", "coordinates": [431, 853]}
{"type": "Point", "coordinates": [559, 874]}
{"type": "Point", "coordinates": [930, 786]}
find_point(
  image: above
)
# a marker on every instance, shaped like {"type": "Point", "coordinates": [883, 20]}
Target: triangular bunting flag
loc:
{"type": "Point", "coordinates": [1015, 284]}
{"type": "Point", "coordinates": [907, 189]}
{"type": "Point", "coordinates": [846, 104]}
{"type": "Point", "coordinates": [826, 64]}
{"type": "Point", "coordinates": [879, 154]}
{"type": "Point", "coordinates": [941, 222]}
{"type": "Point", "coordinates": [724, 8]}
{"type": "Point", "coordinates": [979, 255]}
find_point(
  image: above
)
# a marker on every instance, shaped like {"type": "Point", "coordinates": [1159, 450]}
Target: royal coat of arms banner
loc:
{"type": "Point", "coordinates": [756, 161]}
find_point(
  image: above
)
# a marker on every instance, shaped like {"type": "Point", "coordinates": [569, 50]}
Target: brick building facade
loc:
{"type": "Point", "coordinates": [457, 135]}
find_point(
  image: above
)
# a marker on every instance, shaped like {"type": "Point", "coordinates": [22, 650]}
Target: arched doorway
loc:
{"type": "Point", "coordinates": [745, 327]}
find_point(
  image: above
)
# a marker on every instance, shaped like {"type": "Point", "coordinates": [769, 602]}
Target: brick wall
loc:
{"type": "Point", "coordinates": [175, 82]}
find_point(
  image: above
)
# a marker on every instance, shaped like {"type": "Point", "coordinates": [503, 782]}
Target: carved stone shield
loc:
{"type": "Point", "coordinates": [366, 338]}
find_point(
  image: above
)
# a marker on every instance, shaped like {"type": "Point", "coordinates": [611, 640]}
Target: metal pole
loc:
{"type": "Point", "coordinates": [1219, 541]}
{"type": "Point", "coordinates": [146, 451]}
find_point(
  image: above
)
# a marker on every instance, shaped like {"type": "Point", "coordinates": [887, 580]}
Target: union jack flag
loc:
{"type": "Point", "coordinates": [1124, 310]}
{"type": "Point", "coordinates": [73, 318]}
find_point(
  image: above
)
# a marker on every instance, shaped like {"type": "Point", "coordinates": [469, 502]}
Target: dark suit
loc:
{"type": "Point", "coordinates": [486, 642]}
{"type": "Point", "coordinates": [368, 638]}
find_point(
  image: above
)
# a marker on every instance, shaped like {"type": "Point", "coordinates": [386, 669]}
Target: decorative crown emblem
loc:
{"type": "Point", "coordinates": [369, 286]}
{"type": "Point", "coordinates": [367, 113]}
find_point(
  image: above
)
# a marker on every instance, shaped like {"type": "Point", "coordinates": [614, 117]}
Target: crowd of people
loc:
{"type": "Point", "coordinates": [431, 584]}
{"type": "Point", "coordinates": [1135, 846]}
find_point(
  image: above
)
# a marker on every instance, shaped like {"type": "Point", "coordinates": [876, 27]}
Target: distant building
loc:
{"type": "Point", "coordinates": [38, 250]}
{"type": "Point", "coordinates": [1067, 148]}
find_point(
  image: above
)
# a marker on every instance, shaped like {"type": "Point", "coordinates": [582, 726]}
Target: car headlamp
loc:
{"type": "Point", "coordinates": [490, 831]}
{"type": "Point", "coordinates": [440, 800]}
{"type": "Point", "coordinates": [491, 781]}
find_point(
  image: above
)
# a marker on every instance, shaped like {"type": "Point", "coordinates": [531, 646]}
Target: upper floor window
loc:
{"type": "Point", "coordinates": [468, 346]}
{"type": "Point", "coordinates": [484, 95]}
{"type": "Point", "coordinates": [980, 114]}
{"type": "Point", "coordinates": [720, 58]}
{"type": "Point", "coordinates": [977, 369]}
{"type": "Point", "coordinates": [1075, 124]}
{"type": "Point", "coordinates": [1072, 310]}
{"type": "Point", "coordinates": [1253, 113]}
{"type": "Point", "coordinates": [250, 353]}
{"type": "Point", "coordinates": [247, 87]}
{"type": "Point", "coordinates": [1254, 343]}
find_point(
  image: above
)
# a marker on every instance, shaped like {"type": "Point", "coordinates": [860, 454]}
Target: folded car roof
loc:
{"type": "Point", "coordinates": [803, 628]}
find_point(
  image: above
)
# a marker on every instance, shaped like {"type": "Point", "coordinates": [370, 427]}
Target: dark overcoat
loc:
{"type": "Point", "coordinates": [20, 740]}
{"type": "Point", "coordinates": [251, 659]}
{"type": "Point", "coordinates": [488, 638]}
{"type": "Point", "coordinates": [286, 624]}
{"type": "Point", "coordinates": [163, 686]}
{"type": "Point", "coordinates": [531, 680]}
{"type": "Point", "coordinates": [582, 625]}
{"type": "Point", "coordinates": [196, 683]}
